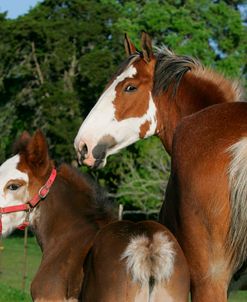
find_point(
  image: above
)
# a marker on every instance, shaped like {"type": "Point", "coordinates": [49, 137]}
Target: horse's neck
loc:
{"type": "Point", "coordinates": [61, 215]}
{"type": "Point", "coordinates": [195, 92]}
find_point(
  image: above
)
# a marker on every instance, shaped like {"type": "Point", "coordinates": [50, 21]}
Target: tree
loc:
{"type": "Point", "coordinates": [144, 176]}
{"type": "Point", "coordinates": [56, 60]}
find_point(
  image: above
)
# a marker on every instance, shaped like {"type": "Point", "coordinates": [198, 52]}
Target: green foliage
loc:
{"type": "Point", "coordinates": [56, 60]}
{"type": "Point", "coordinates": [144, 176]}
{"type": "Point", "coordinates": [239, 296]}
{"type": "Point", "coordinates": [8, 293]}
{"type": "Point", "coordinates": [187, 26]}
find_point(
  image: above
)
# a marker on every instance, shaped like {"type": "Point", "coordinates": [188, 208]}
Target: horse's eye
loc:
{"type": "Point", "coordinates": [13, 187]}
{"type": "Point", "coordinates": [130, 88]}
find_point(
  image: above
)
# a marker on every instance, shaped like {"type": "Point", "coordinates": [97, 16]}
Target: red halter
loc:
{"type": "Point", "coordinates": [28, 207]}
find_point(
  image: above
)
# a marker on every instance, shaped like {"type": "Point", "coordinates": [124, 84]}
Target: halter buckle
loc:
{"type": "Point", "coordinates": [26, 221]}
{"type": "Point", "coordinates": [43, 191]}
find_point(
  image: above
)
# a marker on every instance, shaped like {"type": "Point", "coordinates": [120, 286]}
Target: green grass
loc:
{"type": "Point", "coordinates": [10, 294]}
{"type": "Point", "coordinates": [12, 267]}
{"type": "Point", "coordinates": [11, 270]}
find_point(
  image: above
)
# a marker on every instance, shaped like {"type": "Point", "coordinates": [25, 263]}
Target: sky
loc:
{"type": "Point", "coordinates": [16, 8]}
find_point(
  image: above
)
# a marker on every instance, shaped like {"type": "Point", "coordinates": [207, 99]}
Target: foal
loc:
{"type": "Point", "coordinates": [136, 262]}
{"type": "Point", "coordinates": [65, 221]}
{"type": "Point", "coordinates": [126, 262]}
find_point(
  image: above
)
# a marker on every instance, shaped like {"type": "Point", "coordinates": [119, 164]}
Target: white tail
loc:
{"type": "Point", "coordinates": [238, 187]}
{"type": "Point", "coordinates": [150, 260]}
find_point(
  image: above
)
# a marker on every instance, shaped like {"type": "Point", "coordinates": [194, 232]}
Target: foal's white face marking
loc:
{"type": "Point", "coordinates": [102, 122]}
{"type": "Point", "coordinates": [13, 191]}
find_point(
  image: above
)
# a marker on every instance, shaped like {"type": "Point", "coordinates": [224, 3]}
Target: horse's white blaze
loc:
{"type": "Point", "coordinates": [127, 131]}
{"type": "Point", "coordinates": [151, 117]}
{"type": "Point", "coordinates": [101, 121]}
{"type": "Point", "coordinates": [94, 125]}
{"type": "Point", "coordinates": [8, 172]}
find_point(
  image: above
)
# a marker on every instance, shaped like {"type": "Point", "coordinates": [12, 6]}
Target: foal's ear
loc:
{"type": "Point", "coordinates": [21, 143]}
{"type": "Point", "coordinates": [146, 47]}
{"type": "Point", "coordinates": [37, 152]}
{"type": "Point", "coordinates": [129, 46]}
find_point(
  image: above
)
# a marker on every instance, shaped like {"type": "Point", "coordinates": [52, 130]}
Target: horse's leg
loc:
{"type": "Point", "coordinates": [199, 222]}
{"type": "Point", "coordinates": [209, 273]}
{"type": "Point", "coordinates": [209, 292]}
{"type": "Point", "coordinates": [203, 238]}
{"type": "Point", "coordinates": [52, 283]}
{"type": "Point", "coordinates": [169, 209]}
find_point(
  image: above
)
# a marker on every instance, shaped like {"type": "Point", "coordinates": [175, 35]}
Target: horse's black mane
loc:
{"type": "Point", "coordinates": [170, 69]}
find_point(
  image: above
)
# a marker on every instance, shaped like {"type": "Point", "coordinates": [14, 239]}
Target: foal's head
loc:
{"type": "Point", "coordinates": [125, 111]}
{"type": "Point", "coordinates": [21, 176]}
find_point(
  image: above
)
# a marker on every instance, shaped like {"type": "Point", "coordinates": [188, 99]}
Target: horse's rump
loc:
{"type": "Point", "coordinates": [133, 261]}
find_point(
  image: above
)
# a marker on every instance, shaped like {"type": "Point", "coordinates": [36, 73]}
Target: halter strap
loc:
{"type": "Point", "coordinates": [44, 190]}
{"type": "Point", "coordinates": [28, 207]}
{"type": "Point", "coordinates": [12, 209]}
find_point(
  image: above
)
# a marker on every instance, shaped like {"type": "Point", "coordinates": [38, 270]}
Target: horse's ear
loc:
{"type": "Point", "coordinates": [37, 152]}
{"type": "Point", "coordinates": [129, 46]}
{"type": "Point", "coordinates": [21, 142]}
{"type": "Point", "coordinates": [146, 47]}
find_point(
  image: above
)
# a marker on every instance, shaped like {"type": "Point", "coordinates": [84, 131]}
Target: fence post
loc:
{"type": "Point", "coordinates": [1, 252]}
{"type": "Point", "coordinates": [120, 212]}
{"type": "Point", "coordinates": [24, 272]}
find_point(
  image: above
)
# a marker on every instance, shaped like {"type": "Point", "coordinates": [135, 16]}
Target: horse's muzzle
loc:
{"type": "Point", "coordinates": [94, 156]}
{"type": "Point", "coordinates": [95, 159]}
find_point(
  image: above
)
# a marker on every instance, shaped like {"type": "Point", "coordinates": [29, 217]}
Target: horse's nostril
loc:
{"type": "Point", "coordinates": [84, 151]}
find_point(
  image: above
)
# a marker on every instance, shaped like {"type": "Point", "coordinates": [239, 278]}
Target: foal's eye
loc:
{"type": "Point", "coordinates": [13, 187]}
{"type": "Point", "coordinates": [130, 88]}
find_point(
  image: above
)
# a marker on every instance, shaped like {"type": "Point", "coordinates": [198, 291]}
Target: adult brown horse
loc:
{"type": "Point", "coordinates": [125, 262]}
{"type": "Point", "coordinates": [151, 94]}
{"type": "Point", "coordinates": [206, 201]}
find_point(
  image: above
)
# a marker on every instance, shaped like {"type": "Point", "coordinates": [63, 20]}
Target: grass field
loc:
{"type": "Point", "coordinates": [11, 270]}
